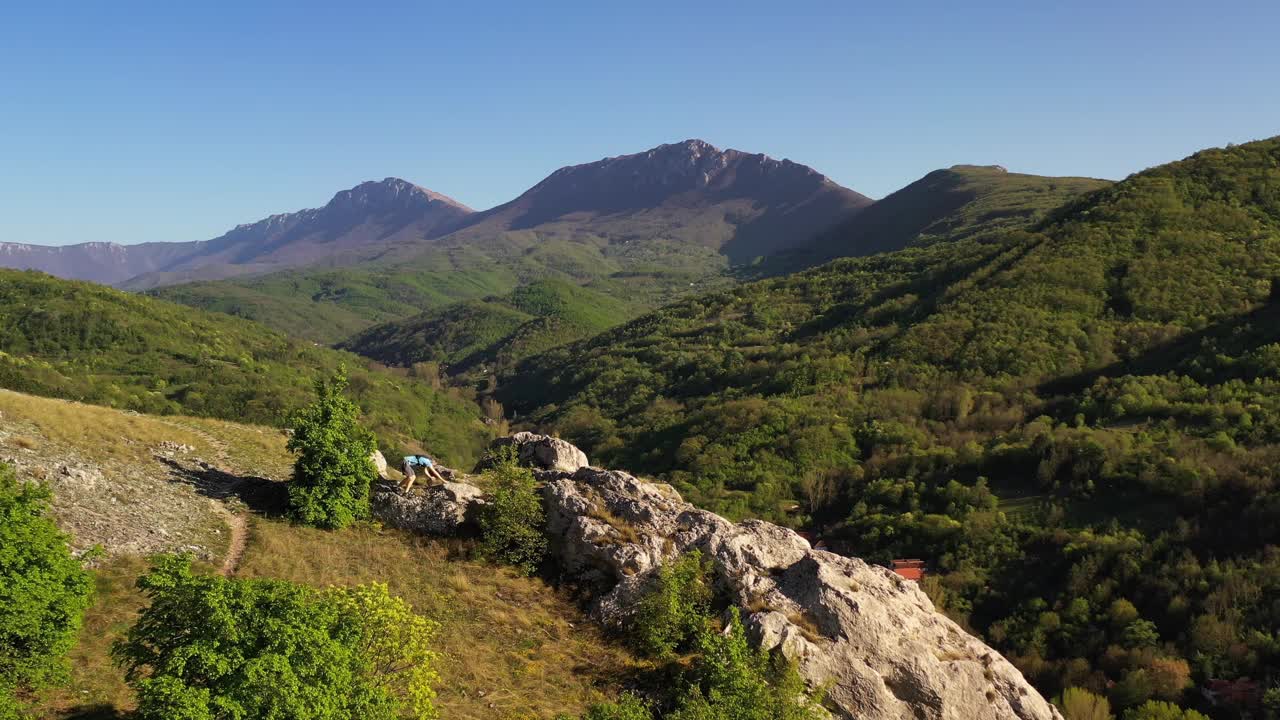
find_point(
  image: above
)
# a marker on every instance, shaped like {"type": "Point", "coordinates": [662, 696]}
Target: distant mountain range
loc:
{"type": "Point", "coordinates": [367, 214]}
{"type": "Point", "coordinates": [738, 204]}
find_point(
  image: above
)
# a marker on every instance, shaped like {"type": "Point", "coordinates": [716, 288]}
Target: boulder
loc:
{"type": "Point", "coordinates": [379, 464]}
{"type": "Point", "coordinates": [447, 509]}
{"type": "Point", "coordinates": [541, 452]}
{"type": "Point", "coordinates": [872, 638]}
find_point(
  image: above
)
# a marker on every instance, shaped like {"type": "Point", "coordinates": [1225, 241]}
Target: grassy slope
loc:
{"type": "Point", "coordinates": [509, 644]}
{"type": "Point", "coordinates": [496, 330]}
{"type": "Point", "coordinates": [87, 342]}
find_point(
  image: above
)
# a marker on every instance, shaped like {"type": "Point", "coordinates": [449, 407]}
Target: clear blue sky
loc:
{"type": "Point", "coordinates": [131, 122]}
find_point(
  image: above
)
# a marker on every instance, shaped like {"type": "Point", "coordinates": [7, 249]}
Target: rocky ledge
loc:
{"type": "Point", "coordinates": [871, 638]}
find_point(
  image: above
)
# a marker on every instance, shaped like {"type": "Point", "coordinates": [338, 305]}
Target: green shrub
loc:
{"type": "Point", "coordinates": [674, 608]}
{"type": "Point", "coordinates": [210, 647]}
{"type": "Point", "coordinates": [1157, 710]}
{"type": "Point", "coordinates": [43, 591]}
{"type": "Point", "coordinates": [331, 477]}
{"type": "Point", "coordinates": [512, 522]}
{"type": "Point", "coordinates": [1080, 704]}
{"type": "Point", "coordinates": [738, 682]}
{"type": "Point", "coordinates": [628, 707]}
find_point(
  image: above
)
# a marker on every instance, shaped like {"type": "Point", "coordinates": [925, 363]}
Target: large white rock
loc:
{"type": "Point", "coordinates": [446, 509]}
{"type": "Point", "coordinates": [379, 463]}
{"type": "Point", "coordinates": [541, 452]}
{"type": "Point", "coordinates": [873, 639]}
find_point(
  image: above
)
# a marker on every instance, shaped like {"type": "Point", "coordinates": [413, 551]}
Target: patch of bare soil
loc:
{"type": "Point", "coordinates": [163, 499]}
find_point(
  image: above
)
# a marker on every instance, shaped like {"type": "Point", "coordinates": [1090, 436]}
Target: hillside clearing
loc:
{"type": "Point", "coordinates": [512, 647]}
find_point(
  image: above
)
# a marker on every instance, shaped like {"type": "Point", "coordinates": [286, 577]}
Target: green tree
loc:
{"type": "Point", "coordinates": [1140, 634]}
{"type": "Point", "coordinates": [674, 608]}
{"type": "Point", "coordinates": [332, 474]}
{"type": "Point", "coordinates": [212, 648]}
{"type": "Point", "coordinates": [395, 641]}
{"type": "Point", "coordinates": [738, 682]}
{"type": "Point", "coordinates": [1271, 698]}
{"type": "Point", "coordinates": [1158, 710]}
{"type": "Point", "coordinates": [628, 707]}
{"type": "Point", "coordinates": [43, 590]}
{"type": "Point", "coordinates": [511, 524]}
{"type": "Point", "coordinates": [1080, 704]}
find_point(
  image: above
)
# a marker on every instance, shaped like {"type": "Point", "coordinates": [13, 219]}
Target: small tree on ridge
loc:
{"type": "Point", "coordinates": [332, 474]}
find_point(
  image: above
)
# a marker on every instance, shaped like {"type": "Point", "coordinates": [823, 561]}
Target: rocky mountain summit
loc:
{"type": "Point", "coordinates": [873, 639]}
{"type": "Point", "coordinates": [740, 204]}
{"type": "Point", "coordinates": [371, 213]}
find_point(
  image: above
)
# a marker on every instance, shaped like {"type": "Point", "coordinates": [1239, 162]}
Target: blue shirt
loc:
{"type": "Point", "coordinates": [419, 460]}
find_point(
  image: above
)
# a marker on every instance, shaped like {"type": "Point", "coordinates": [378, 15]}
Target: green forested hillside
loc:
{"type": "Point", "coordinates": [87, 342]}
{"type": "Point", "coordinates": [329, 305]}
{"type": "Point", "coordinates": [644, 264]}
{"type": "Point", "coordinates": [496, 330]}
{"type": "Point", "coordinates": [946, 205]}
{"type": "Point", "coordinates": [1077, 425]}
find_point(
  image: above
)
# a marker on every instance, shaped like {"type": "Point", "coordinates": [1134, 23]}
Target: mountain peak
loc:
{"type": "Point", "coordinates": [390, 193]}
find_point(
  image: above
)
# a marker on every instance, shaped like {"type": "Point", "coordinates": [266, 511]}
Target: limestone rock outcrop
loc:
{"type": "Point", "coordinates": [541, 452]}
{"type": "Point", "coordinates": [447, 509]}
{"type": "Point", "coordinates": [873, 639]}
{"type": "Point", "coordinates": [379, 463]}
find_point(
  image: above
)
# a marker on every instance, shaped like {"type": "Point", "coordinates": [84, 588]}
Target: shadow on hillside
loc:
{"type": "Point", "coordinates": [1231, 337]}
{"type": "Point", "coordinates": [261, 495]}
{"type": "Point", "coordinates": [93, 712]}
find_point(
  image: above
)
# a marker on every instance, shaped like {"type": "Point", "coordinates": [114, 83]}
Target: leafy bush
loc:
{"type": "Point", "coordinates": [673, 610]}
{"type": "Point", "coordinates": [1080, 704]}
{"type": "Point", "coordinates": [628, 707]}
{"type": "Point", "coordinates": [331, 477]}
{"type": "Point", "coordinates": [512, 522]}
{"type": "Point", "coordinates": [210, 647]}
{"type": "Point", "coordinates": [43, 590]}
{"type": "Point", "coordinates": [738, 682]}
{"type": "Point", "coordinates": [1157, 710]}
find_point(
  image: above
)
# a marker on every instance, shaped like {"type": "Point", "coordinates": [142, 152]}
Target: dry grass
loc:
{"type": "Point", "coordinates": [95, 681]}
{"type": "Point", "coordinates": [103, 431]}
{"type": "Point", "coordinates": [24, 442]}
{"type": "Point", "coordinates": [513, 647]}
{"type": "Point", "coordinates": [511, 644]}
{"type": "Point", "coordinates": [112, 434]}
{"type": "Point", "coordinates": [626, 533]}
{"type": "Point", "coordinates": [807, 626]}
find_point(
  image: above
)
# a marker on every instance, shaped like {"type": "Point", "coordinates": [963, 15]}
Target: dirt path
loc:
{"type": "Point", "coordinates": [238, 524]}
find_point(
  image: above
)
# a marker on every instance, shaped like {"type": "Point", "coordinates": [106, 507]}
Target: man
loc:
{"type": "Point", "coordinates": [428, 469]}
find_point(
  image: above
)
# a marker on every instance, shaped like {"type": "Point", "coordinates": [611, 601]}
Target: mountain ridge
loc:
{"type": "Point", "coordinates": [274, 242]}
{"type": "Point", "coordinates": [689, 191]}
{"type": "Point", "coordinates": [688, 175]}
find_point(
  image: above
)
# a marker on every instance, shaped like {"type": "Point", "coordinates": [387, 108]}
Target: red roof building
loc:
{"type": "Point", "coordinates": [911, 569]}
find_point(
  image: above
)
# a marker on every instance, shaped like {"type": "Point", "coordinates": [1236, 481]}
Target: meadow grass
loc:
{"type": "Point", "coordinates": [511, 646]}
